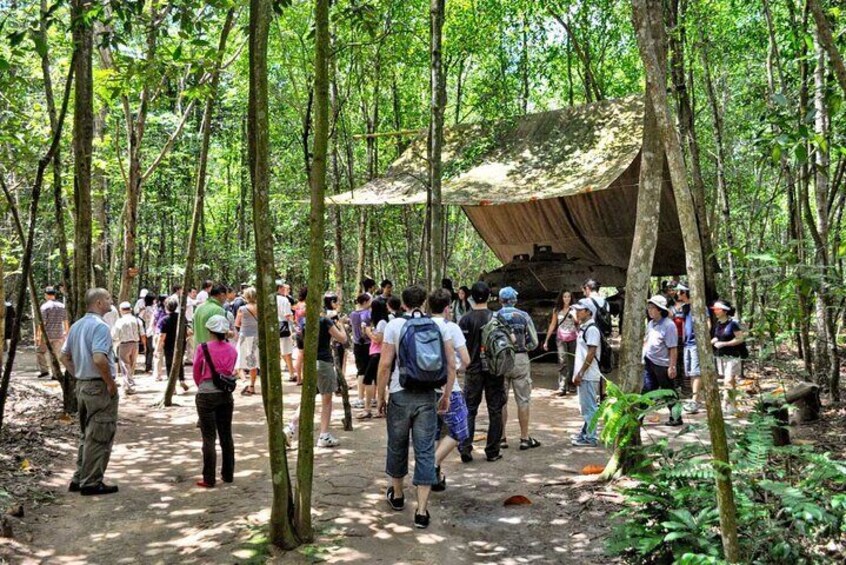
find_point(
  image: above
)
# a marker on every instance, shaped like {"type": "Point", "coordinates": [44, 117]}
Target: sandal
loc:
{"type": "Point", "coordinates": [248, 390]}
{"type": "Point", "coordinates": [528, 443]}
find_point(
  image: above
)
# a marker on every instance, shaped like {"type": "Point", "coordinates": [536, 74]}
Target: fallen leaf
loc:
{"type": "Point", "coordinates": [26, 465]}
{"type": "Point", "coordinates": [517, 500]}
{"type": "Point", "coordinates": [592, 469]}
{"type": "Point", "coordinates": [654, 419]}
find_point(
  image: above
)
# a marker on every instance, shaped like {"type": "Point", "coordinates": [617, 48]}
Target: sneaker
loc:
{"type": "Point", "coordinates": [327, 440]}
{"type": "Point", "coordinates": [421, 521]}
{"type": "Point", "coordinates": [42, 374]}
{"type": "Point", "coordinates": [394, 503]}
{"type": "Point", "coordinates": [466, 457]}
{"type": "Point", "coordinates": [373, 403]}
{"type": "Point", "coordinates": [583, 442]}
{"type": "Point", "coordinates": [691, 407]}
{"type": "Point", "coordinates": [358, 404]}
{"type": "Point", "coordinates": [575, 437]}
{"type": "Point", "coordinates": [503, 443]}
{"type": "Point", "coordinates": [675, 422]}
{"type": "Point", "coordinates": [496, 457]}
{"type": "Point", "coordinates": [98, 489]}
{"type": "Point", "coordinates": [73, 487]}
{"type": "Point", "coordinates": [562, 392]}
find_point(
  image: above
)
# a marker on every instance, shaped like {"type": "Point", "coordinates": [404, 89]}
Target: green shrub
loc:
{"type": "Point", "coordinates": [791, 501]}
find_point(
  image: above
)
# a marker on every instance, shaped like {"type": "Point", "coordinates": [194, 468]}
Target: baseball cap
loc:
{"type": "Point", "coordinates": [681, 287]}
{"type": "Point", "coordinates": [125, 306]}
{"type": "Point", "coordinates": [50, 290]}
{"type": "Point", "coordinates": [144, 293]}
{"type": "Point", "coordinates": [584, 304]}
{"type": "Point", "coordinates": [217, 324]}
{"type": "Point", "coordinates": [507, 294]}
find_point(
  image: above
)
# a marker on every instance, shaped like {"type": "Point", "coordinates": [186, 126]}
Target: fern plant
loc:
{"type": "Point", "coordinates": [791, 501]}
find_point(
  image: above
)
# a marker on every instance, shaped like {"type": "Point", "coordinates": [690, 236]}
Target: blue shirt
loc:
{"type": "Point", "coordinates": [522, 326]}
{"type": "Point", "coordinates": [89, 335]}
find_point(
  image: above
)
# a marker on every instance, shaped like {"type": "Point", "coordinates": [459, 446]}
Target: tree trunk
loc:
{"type": "Point", "coordinates": [825, 38]}
{"type": "Point", "coordinates": [282, 531]}
{"type": "Point", "coordinates": [99, 200]}
{"type": "Point", "coordinates": [83, 139]}
{"type": "Point", "coordinates": [199, 199]}
{"type": "Point", "coordinates": [722, 187]}
{"type": "Point", "coordinates": [828, 368]}
{"type": "Point", "coordinates": [63, 377]}
{"type": "Point", "coordinates": [630, 372]}
{"type": "Point", "coordinates": [317, 181]}
{"type": "Point", "coordinates": [58, 204]}
{"type": "Point", "coordinates": [437, 99]}
{"type": "Point", "coordinates": [26, 260]}
{"type": "Point", "coordinates": [656, 84]}
{"type": "Point", "coordinates": [687, 130]}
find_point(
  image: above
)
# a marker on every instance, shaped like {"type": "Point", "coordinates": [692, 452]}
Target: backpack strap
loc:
{"type": "Point", "coordinates": [207, 355]}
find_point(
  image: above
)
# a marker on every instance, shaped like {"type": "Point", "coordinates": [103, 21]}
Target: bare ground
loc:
{"type": "Point", "coordinates": [159, 516]}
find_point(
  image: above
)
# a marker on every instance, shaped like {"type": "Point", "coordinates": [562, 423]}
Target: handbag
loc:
{"type": "Point", "coordinates": [226, 383]}
{"type": "Point", "coordinates": [284, 328]}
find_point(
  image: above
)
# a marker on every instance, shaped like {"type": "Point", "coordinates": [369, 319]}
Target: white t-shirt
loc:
{"type": "Point", "coordinates": [392, 336]}
{"type": "Point", "coordinates": [458, 341]}
{"type": "Point", "coordinates": [202, 296]}
{"type": "Point", "coordinates": [190, 304]}
{"type": "Point", "coordinates": [283, 308]}
{"type": "Point", "coordinates": [588, 336]}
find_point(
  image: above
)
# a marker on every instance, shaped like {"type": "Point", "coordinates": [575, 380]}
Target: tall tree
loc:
{"type": "Point", "coordinates": [43, 49]}
{"type": "Point", "coordinates": [437, 101]}
{"type": "Point", "coordinates": [26, 260]}
{"type": "Point", "coordinates": [199, 199]}
{"type": "Point", "coordinates": [317, 182]}
{"type": "Point", "coordinates": [825, 38]}
{"type": "Point", "coordinates": [656, 84]}
{"type": "Point", "coordinates": [282, 531]}
{"type": "Point", "coordinates": [650, 185]}
{"type": "Point", "coordinates": [83, 138]}
{"type": "Point", "coordinates": [682, 88]}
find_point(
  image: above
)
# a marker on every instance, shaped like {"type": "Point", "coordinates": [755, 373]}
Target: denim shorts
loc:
{"type": "Point", "coordinates": [456, 418]}
{"type": "Point", "coordinates": [413, 414]}
{"type": "Point", "coordinates": [691, 362]}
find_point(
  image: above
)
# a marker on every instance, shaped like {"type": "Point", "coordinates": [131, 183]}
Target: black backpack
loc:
{"type": "Point", "coordinates": [605, 360]}
{"type": "Point", "coordinates": [602, 319]}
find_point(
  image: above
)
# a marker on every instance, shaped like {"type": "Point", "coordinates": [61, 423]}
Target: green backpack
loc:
{"type": "Point", "coordinates": [498, 350]}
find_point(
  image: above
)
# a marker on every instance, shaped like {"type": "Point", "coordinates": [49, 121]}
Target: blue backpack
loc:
{"type": "Point", "coordinates": [421, 354]}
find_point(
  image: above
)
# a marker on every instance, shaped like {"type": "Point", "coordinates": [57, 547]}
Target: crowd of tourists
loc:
{"type": "Point", "coordinates": [424, 361]}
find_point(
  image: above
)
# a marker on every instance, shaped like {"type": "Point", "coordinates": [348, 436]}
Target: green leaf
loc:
{"type": "Point", "coordinates": [801, 153]}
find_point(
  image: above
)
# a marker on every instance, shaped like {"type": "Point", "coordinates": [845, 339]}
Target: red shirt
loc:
{"type": "Point", "coordinates": [223, 355]}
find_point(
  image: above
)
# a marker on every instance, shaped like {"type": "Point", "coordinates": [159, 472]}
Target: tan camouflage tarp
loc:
{"type": "Point", "coordinates": [566, 178]}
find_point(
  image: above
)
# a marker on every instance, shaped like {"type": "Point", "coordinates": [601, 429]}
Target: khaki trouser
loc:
{"type": "Point", "coordinates": [43, 356]}
{"type": "Point", "coordinates": [127, 357]}
{"type": "Point", "coordinates": [97, 422]}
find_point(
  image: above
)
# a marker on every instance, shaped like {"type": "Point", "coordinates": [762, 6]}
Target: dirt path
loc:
{"type": "Point", "coordinates": [159, 516]}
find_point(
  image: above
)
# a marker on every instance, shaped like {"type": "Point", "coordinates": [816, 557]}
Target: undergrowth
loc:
{"type": "Point", "coordinates": [791, 500]}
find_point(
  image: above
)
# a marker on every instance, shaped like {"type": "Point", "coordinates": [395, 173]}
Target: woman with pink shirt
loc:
{"type": "Point", "coordinates": [214, 406]}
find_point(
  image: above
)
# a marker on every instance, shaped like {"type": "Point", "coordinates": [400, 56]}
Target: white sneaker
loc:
{"type": "Point", "coordinates": [327, 440]}
{"type": "Point", "coordinates": [358, 404]}
{"type": "Point", "coordinates": [373, 403]}
{"type": "Point", "coordinates": [691, 407]}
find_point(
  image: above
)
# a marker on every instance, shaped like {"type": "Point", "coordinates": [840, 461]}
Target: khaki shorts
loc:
{"type": "Point", "coordinates": [327, 378]}
{"type": "Point", "coordinates": [729, 369]}
{"type": "Point", "coordinates": [286, 345]}
{"type": "Point", "coordinates": [520, 379]}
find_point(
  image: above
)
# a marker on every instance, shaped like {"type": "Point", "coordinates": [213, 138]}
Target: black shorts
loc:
{"type": "Point", "coordinates": [372, 369]}
{"type": "Point", "coordinates": [361, 352]}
